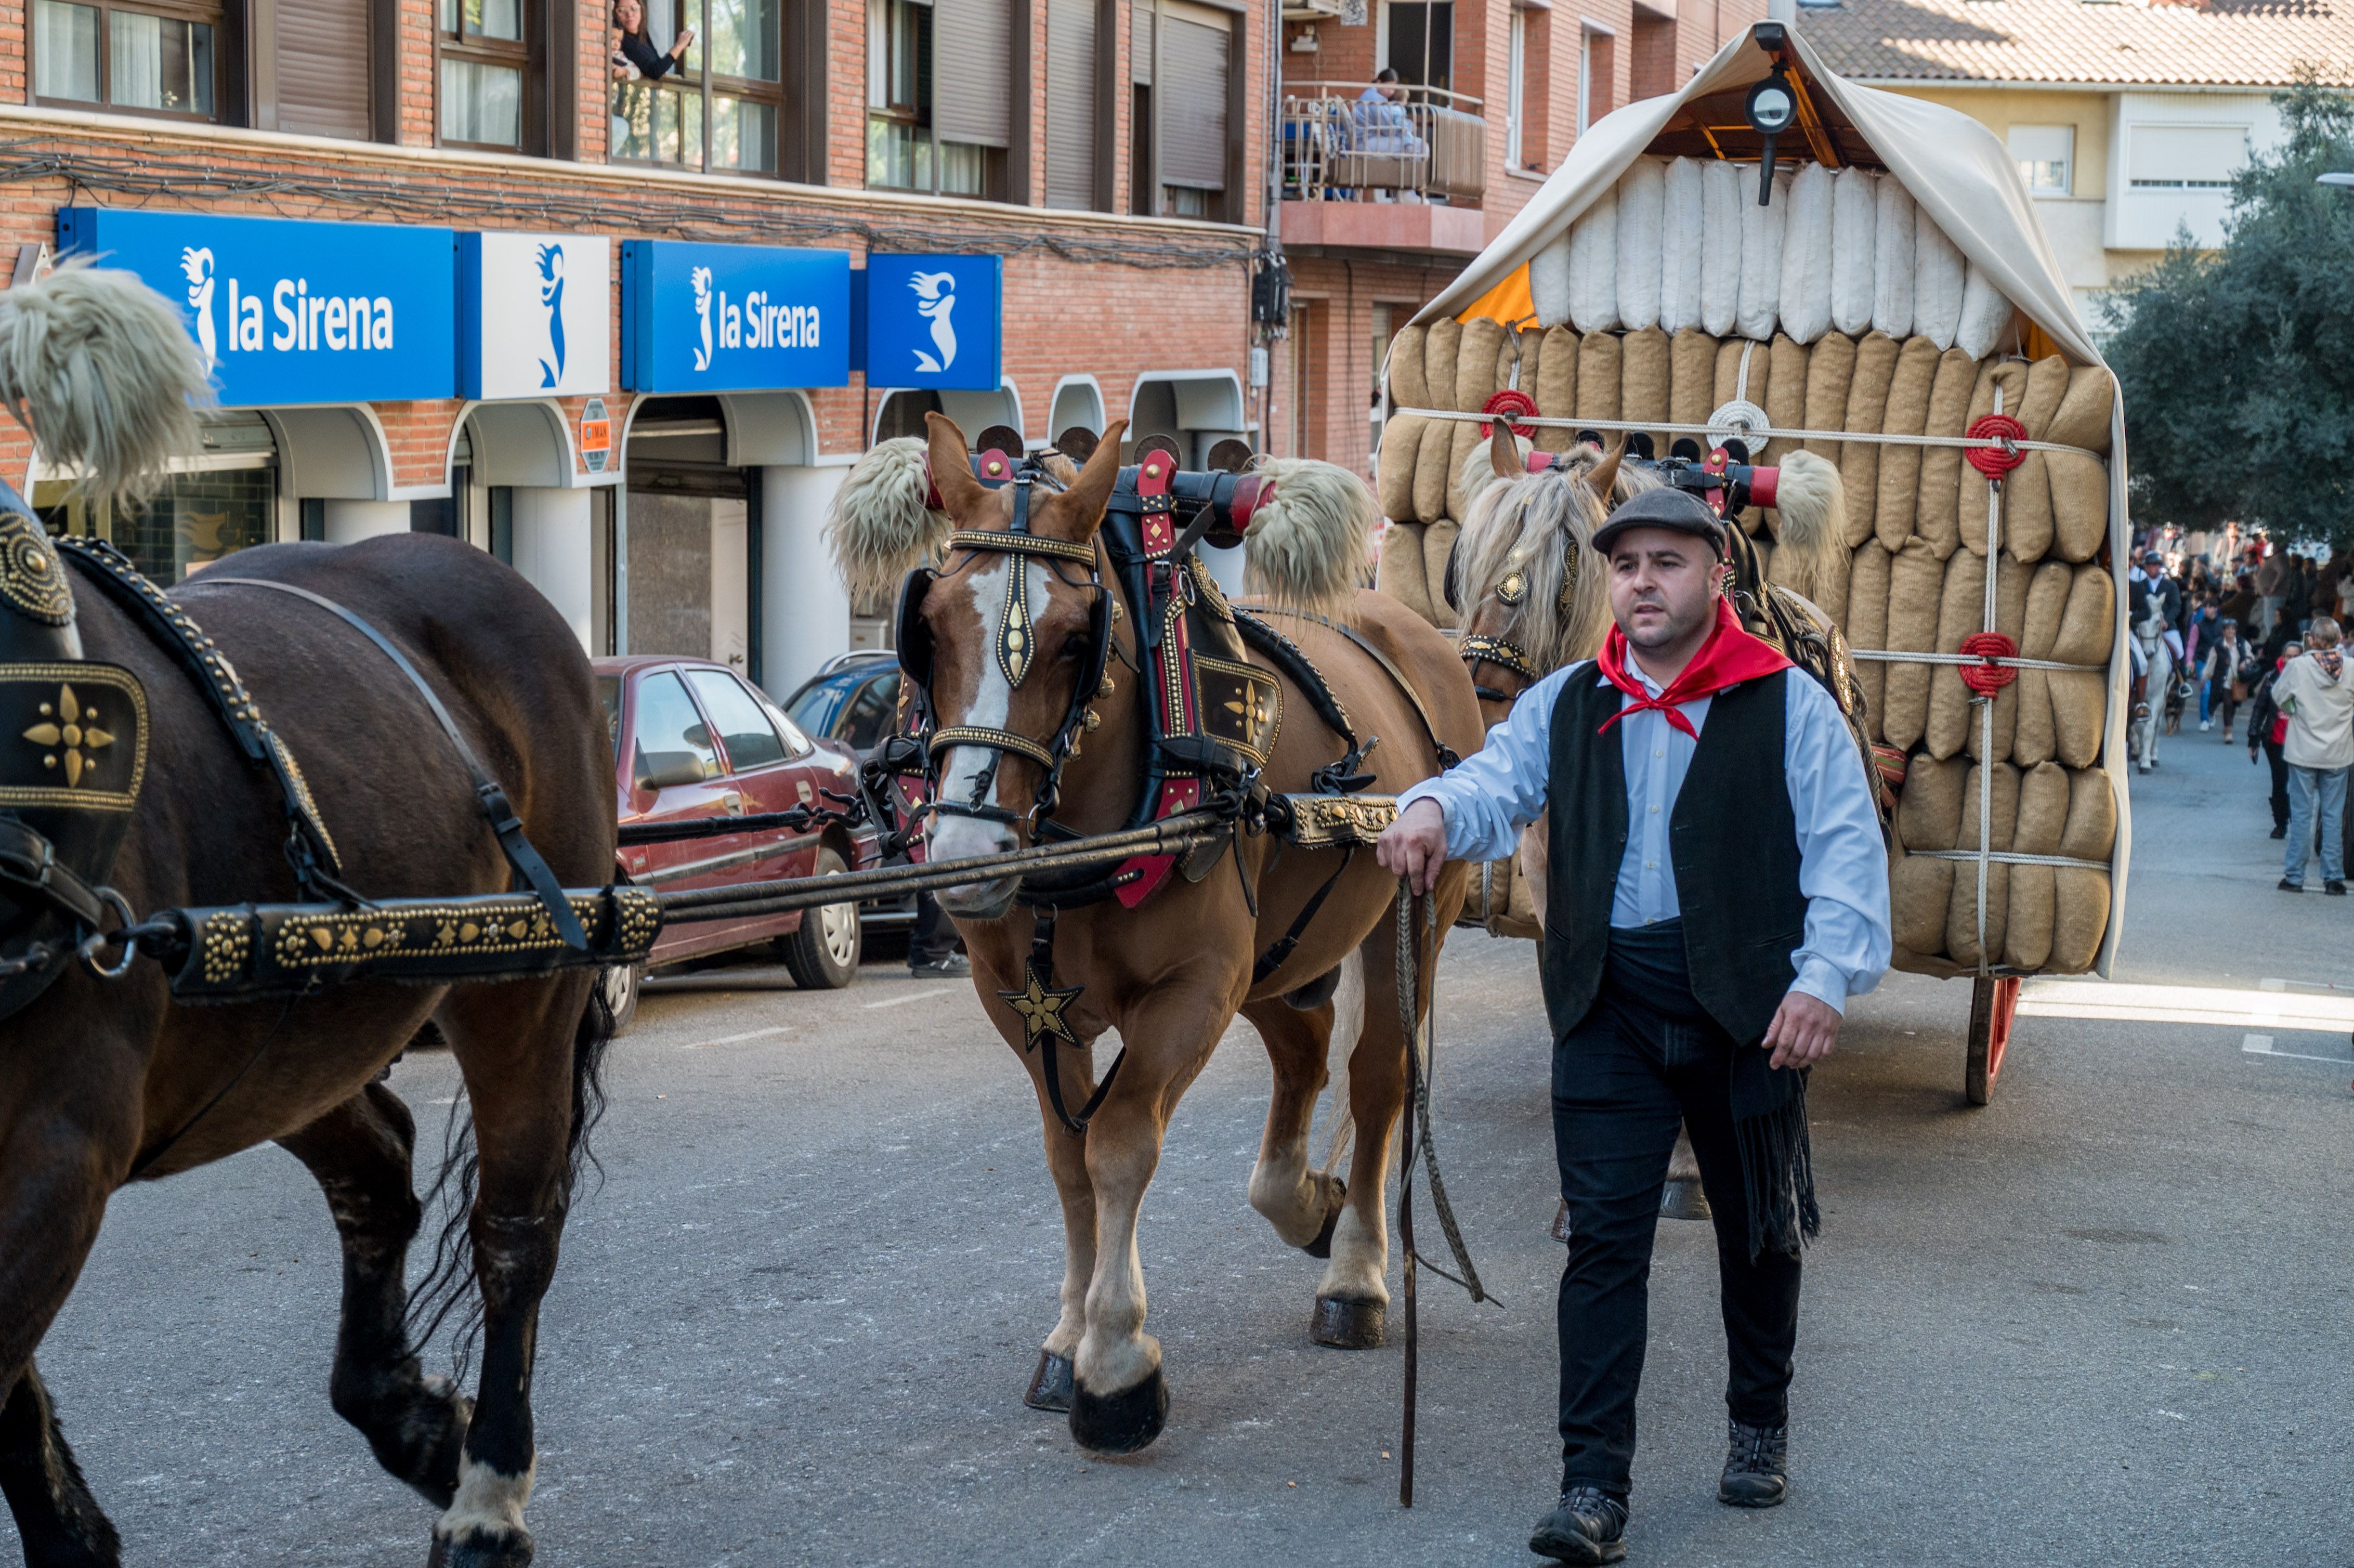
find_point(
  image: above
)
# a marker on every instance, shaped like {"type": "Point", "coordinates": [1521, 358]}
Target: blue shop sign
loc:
{"type": "Point", "coordinates": [732, 318]}
{"type": "Point", "coordinates": [289, 312]}
{"type": "Point", "coordinates": [936, 321]}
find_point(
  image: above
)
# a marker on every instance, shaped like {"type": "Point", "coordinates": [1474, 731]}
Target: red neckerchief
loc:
{"type": "Point", "coordinates": [1729, 657]}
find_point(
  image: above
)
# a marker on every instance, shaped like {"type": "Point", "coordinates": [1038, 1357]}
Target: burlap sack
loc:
{"type": "Point", "coordinates": [1741, 372]}
{"type": "Point", "coordinates": [2083, 417]}
{"type": "Point", "coordinates": [1919, 894]}
{"type": "Point", "coordinates": [2027, 491]}
{"type": "Point", "coordinates": [2088, 626]}
{"type": "Point", "coordinates": [1432, 477]}
{"type": "Point", "coordinates": [1643, 373]}
{"type": "Point", "coordinates": [1400, 572]}
{"type": "Point", "coordinates": [1785, 392]}
{"type": "Point", "coordinates": [2010, 619]}
{"type": "Point", "coordinates": [1437, 544]}
{"type": "Point", "coordinates": [2080, 711]}
{"type": "Point", "coordinates": [2081, 898]}
{"type": "Point", "coordinates": [1962, 912]}
{"type": "Point", "coordinates": [1831, 377]}
{"type": "Point", "coordinates": [1465, 437]}
{"type": "Point", "coordinates": [1929, 809]}
{"type": "Point", "coordinates": [2080, 504]}
{"type": "Point", "coordinates": [1529, 345]}
{"type": "Point", "coordinates": [1441, 352]}
{"type": "Point", "coordinates": [1557, 390]}
{"type": "Point", "coordinates": [2007, 378]}
{"type": "Point", "coordinates": [1867, 405]}
{"type": "Point", "coordinates": [1508, 360]}
{"type": "Point", "coordinates": [1475, 364]}
{"type": "Point", "coordinates": [2043, 819]}
{"type": "Point", "coordinates": [1939, 518]}
{"type": "Point", "coordinates": [1898, 503]}
{"type": "Point", "coordinates": [2032, 741]}
{"type": "Point", "coordinates": [1961, 611]}
{"type": "Point", "coordinates": [1916, 581]}
{"type": "Point", "coordinates": [1409, 387]}
{"type": "Point", "coordinates": [1867, 627]}
{"type": "Point", "coordinates": [1393, 477]}
{"type": "Point", "coordinates": [1599, 357]}
{"type": "Point", "coordinates": [1691, 379]}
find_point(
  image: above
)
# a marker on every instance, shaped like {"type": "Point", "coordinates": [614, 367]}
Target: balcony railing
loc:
{"type": "Point", "coordinates": [1344, 140]}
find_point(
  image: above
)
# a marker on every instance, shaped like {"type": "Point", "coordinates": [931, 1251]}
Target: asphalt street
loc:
{"type": "Point", "coordinates": [2105, 1321]}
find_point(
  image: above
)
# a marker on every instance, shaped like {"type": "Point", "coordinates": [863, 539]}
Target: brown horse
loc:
{"type": "Point", "coordinates": [102, 1083]}
{"type": "Point", "coordinates": [1171, 974]}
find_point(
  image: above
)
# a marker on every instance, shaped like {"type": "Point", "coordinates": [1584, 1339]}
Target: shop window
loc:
{"type": "Point", "coordinates": [1187, 73]}
{"type": "Point", "coordinates": [221, 501]}
{"type": "Point", "coordinates": [733, 64]}
{"type": "Point", "coordinates": [944, 132]}
{"type": "Point", "coordinates": [163, 60]}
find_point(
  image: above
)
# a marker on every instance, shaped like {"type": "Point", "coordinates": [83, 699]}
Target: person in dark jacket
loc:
{"type": "Point", "coordinates": [2265, 725]}
{"type": "Point", "coordinates": [635, 58]}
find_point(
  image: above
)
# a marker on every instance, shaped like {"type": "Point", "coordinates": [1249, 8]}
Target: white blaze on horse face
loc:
{"type": "Point", "coordinates": [965, 767]}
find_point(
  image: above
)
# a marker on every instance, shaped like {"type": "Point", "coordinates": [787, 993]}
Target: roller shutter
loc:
{"type": "Point", "coordinates": [1195, 46]}
{"type": "Point", "coordinates": [1071, 103]}
{"type": "Point", "coordinates": [323, 67]}
{"type": "Point", "coordinates": [1139, 45]}
{"type": "Point", "coordinates": [972, 74]}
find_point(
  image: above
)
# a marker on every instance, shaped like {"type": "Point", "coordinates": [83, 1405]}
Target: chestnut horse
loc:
{"type": "Point", "coordinates": [1170, 975]}
{"type": "Point", "coordinates": [103, 1083]}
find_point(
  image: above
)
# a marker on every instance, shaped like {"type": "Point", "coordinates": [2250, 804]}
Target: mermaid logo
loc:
{"type": "Point", "coordinates": [935, 299]}
{"type": "Point", "coordinates": [701, 279]}
{"type": "Point", "coordinates": [551, 294]}
{"type": "Point", "coordinates": [197, 265]}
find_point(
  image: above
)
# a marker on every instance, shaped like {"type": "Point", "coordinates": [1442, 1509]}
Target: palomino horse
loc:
{"type": "Point", "coordinates": [1170, 974]}
{"type": "Point", "coordinates": [104, 1083]}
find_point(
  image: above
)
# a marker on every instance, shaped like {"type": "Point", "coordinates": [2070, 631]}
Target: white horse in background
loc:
{"type": "Point", "coordinates": [2154, 662]}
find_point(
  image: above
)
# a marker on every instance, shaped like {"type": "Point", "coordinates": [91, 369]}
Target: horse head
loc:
{"type": "Point", "coordinates": [1522, 573]}
{"type": "Point", "coordinates": [1008, 640]}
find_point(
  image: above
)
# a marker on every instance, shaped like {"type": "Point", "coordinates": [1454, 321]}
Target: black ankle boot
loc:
{"type": "Point", "coordinates": [1756, 1467]}
{"type": "Point", "coordinates": [1586, 1526]}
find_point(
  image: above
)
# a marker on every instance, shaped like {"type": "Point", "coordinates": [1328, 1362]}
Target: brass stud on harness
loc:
{"type": "Point", "coordinates": [1108, 686]}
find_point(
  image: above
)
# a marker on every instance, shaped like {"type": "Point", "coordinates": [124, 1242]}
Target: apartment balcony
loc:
{"type": "Point", "coordinates": [1372, 173]}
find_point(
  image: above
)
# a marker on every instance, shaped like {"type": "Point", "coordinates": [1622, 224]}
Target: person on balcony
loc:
{"type": "Point", "coordinates": [1384, 123]}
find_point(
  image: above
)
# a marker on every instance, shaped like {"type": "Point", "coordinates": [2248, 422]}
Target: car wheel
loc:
{"type": "Point", "coordinates": [823, 954]}
{"type": "Point", "coordinates": [622, 985]}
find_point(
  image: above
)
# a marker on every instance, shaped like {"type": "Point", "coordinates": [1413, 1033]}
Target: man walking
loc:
{"type": "Point", "coordinates": [2317, 695]}
{"type": "Point", "coordinates": [1720, 890]}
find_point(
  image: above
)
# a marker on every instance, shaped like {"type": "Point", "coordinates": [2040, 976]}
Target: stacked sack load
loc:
{"type": "Point", "coordinates": [1842, 306]}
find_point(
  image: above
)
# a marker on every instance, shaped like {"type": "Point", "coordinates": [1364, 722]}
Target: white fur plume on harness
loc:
{"type": "Point", "coordinates": [877, 526]}
{"type": "Point", "coordinates": [102, 371]}
{"type": "Point", "coordinates": [1306, 547]}
{"type": "Point", "coordinates": [1812, 506]}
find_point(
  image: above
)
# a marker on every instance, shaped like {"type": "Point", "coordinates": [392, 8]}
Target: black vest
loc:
{"type": "Point", "coordinates": [1733, 836]}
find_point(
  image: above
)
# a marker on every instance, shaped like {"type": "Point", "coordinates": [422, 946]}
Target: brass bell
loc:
{"type": "Point", "coordinates": [1073, 752]}
{"type": "Point", "coordinates": [1106, 689]}
{"type": "Point", "coordinates": [1115, 611]}
{"type": "Point", "coordinates": [1094, 718]}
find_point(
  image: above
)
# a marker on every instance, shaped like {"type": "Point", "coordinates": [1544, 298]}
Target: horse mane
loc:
{"type": "Point", "coordinates": [1809, 542]}
{"type": "Point", "coordinates": [1307, 547]}
{"type": "Point", "coordinates": [877, 525]}
{"type": "Point", "coordinates": [1532, 526]}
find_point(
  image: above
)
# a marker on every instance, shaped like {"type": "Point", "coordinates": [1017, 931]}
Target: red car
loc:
{"type": "Point", "coordinates": [692, 740]}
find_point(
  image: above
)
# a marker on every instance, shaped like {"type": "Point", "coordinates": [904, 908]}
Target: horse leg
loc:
{"type": "Point", "coordinates": [360, 1155]}
{"type": "Point", "coordinates": [529, 1059]}
{"type": "Point", "coordinates": [59, 1520]}
{"type": "Point", "coordinates": [1302, 1205]}
{"type": "Point", "coordinates": [1067, 1157]}
{"type": "Point", "coordinates": [1352, 1299]}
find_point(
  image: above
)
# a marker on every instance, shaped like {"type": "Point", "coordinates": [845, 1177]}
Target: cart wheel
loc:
{"type": "Point", "coordinates": [1994, 1001]}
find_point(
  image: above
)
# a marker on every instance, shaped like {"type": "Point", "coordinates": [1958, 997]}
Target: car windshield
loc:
{"type": "Point", "coordinates": [608, 691]}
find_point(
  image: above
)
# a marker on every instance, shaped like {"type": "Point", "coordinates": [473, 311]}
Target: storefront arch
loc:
{"type": "Point", "coordinates": [1195, 408]}
{"type": "Point", "coordinates": [901, 412]}
{"type": "Point", "coordinates": [1079, 401]}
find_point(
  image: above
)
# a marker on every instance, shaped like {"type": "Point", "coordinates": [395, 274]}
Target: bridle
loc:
{"type": "Point", "coordinates": [1502, 652]}
{"type": "Point", "coordinates": [1016, 650]}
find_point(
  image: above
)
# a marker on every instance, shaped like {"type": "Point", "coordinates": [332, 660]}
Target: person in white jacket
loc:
{"type": "Point", "coordinates": [2316, 692]}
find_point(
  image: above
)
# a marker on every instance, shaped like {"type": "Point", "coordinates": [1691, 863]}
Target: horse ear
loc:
{"type": "Point", "coordinates": [1504, 453]}
{"type": "Point", "coordinates": [1603, 474]}
{"type": "Point", "coordinates": [1080, 508]}
{"type": "Point", "coordinates": [951, 460]}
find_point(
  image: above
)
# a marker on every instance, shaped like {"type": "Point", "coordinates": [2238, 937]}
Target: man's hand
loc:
{"type": "Point", "coordinates": [1803, 1032]}
{"type": "Point", "coordinates": [1414, 847]}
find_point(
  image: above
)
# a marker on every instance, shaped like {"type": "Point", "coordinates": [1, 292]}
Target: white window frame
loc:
{"type": "Point", "coordinates": [1515, 88]}
{"type": "Point", "coordinates": [1588, 31]}
{"type": "Point", "coordinates": [2067, 161]}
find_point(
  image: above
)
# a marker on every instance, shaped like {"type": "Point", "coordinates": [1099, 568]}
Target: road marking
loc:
{"type": "Point", "coordinates": [913, 996]}
{"type": "Point", "coordinates": [739, 1039]}
{"type": "Point", "coordinates": [2262, 1046]}
{"type": "Point", "coordinates": [2272, 1007]}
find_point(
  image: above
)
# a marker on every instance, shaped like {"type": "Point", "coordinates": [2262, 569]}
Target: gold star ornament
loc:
{"type": "Point", "coordinates": [1040, 1007]}
{"type": "Point", "coordinates": [73, 734]}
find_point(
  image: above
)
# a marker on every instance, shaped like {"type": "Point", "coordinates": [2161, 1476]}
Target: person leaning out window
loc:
{"type": "Point", "coordinates": [636, 60]}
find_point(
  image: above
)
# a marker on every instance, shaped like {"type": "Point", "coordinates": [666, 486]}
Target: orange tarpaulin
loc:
{"type": "Point", "coordinates": [1508, 302]}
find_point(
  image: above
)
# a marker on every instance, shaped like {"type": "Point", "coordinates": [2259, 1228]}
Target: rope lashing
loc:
{"type": "Point", "coordinates": [1996, 461]}
{"type": "Point", "coordinates": [1515, 404]}
{"type": "Point", "coordinates": [1989, 675]}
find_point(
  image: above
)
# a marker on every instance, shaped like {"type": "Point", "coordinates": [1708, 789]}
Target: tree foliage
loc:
{"type": "Point", "coordinates": [2237, 365]}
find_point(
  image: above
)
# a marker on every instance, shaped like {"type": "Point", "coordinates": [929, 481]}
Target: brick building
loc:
{"type": "Point", "coordinates": [1385, 200]}
{"type": "Point", "coordinates": [1110, 153]}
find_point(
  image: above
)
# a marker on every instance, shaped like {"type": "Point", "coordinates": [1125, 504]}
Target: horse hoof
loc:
{"type": "Point", "coordinates": [1683, 1199]}
{"type": "Point", "coordinates": [1347, 1323]}
{"type": "Point", "coordinates": [1050, 1385]}
{"type": "Point", "coordinates": [1322, 1245]}
{"type": "Point", "coordinates": [1120, 1423]}
{"type": "Point", "coordinates": [481, 1548]}
{"type": "Point", "coordinates": [1559, 1231]}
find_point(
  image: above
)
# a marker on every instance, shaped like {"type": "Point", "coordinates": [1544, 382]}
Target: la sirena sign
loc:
{"type": "Point", "coordinates": [721, 318]}
{"type": "Point", "coordinates": [535, 315]}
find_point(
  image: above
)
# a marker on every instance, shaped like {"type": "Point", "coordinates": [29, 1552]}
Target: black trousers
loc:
{"type": "Point", "coordinates": [1645, 1059]}
{"type": "Point", "coordinates": [2280, 782]}
{"type": "Point", "coordinates": [934, 939]}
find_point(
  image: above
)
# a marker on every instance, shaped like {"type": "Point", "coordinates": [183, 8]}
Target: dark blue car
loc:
{"type": "Point", "coordinates": [853, 701]}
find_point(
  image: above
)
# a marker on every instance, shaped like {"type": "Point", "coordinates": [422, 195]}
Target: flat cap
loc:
{"type": "Point", "coordinates": [1665, 507]}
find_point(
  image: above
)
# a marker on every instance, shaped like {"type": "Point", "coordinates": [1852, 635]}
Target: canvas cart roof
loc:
{"type": "Point", "coordinates": [1955, 168]}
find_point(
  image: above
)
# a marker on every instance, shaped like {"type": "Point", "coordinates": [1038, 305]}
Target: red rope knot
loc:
{"type": "Point", "coordinates": [1996, 462]}
{"type": "Point", "coordinates": [1508, 402]}
{"type": "Point", "coordinates": [1986, 677]}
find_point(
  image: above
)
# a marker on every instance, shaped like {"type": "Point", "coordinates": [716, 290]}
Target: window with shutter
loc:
{"type": "Point", "coordinates": [943, 132]}
{"type": "Point", "coordinates": [1071, 72]}
{"type": "Point", "coordinates": [323, 67]}
{"type": "Point", "coordinates": [1189, 77]}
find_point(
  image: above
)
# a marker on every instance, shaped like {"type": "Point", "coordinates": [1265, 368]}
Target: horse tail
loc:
{"type": "Point", "coordinates": [447, 1291]}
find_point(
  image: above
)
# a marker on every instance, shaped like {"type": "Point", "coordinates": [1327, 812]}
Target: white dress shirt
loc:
{"type": "Point", "coordinates": [1498, 790]}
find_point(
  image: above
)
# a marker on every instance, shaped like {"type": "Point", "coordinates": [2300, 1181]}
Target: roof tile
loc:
{"type": "Point", "coordinates": [2223, 43]}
